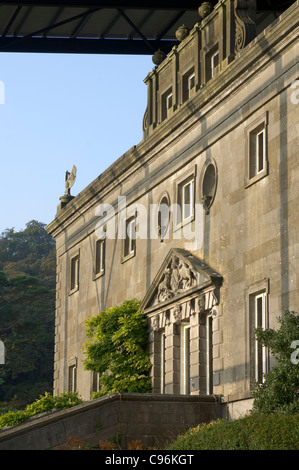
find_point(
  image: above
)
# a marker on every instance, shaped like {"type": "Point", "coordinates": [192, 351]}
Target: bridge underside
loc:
{"type": "Point", "coordinates": [100, 26]}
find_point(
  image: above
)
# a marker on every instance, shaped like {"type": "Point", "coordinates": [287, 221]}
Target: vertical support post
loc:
{"type": "Point", "coordinates": [172, 359]}
{"type": "Point", "coordinates": [175, 67]}
{"type": "Point", "coordinates": [230, 30]}
{"type": "Point", "coordinates": [197, 69]}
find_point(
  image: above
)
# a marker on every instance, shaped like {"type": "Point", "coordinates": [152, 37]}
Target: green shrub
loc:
{"type": "Point", "coordinates": [117, 349]}
{"type": "Point", "coordinates": [279, 392]}
{"type": "Point", "coordinates": [41, 405]}
{"type": "Point", "coordinates": [253, 432]}
{"type": "Point", "coordinates": [11, 418]}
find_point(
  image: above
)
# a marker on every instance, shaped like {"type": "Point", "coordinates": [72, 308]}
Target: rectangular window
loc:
{"type": "Point", "coordinates": [256, 150]}
{"type": "Point", "coordinates": [166, 104]}
{"type": "Point", "coordinates": [185, 359]}
{"type": "Point", "coordinates": [74, 273]}
{"type": "Point", "coordinates": [214, 62]}
{"type": "Point", "coordinates": [72, 378]}
{"type": "Point", "coordinates": [186, 199]}
{"type": "Point", "coordinates": [100, 257]}
{"type": "Point", "coordinates": [130, 240]}
{"type": "Point", "coordinates": [162, 364]}
{"type": "Point", "coordinates": [260, 352]}
{"type": "Point", "coordinates": [95, 382]}
{"type": "Point", "coordinates": [169, 101]}
{"type": "Point", "coordinates": [209, 354]}
{"type": "Point", "coordinates": [191, 83]}
{"type": "Point", "coordinates": [188, 84]}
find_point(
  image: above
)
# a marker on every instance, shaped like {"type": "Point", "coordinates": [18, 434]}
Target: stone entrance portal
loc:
{"type": "Point", "coordinates": [180, 306]}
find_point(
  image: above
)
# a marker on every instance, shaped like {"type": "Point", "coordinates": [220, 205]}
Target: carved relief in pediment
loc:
{"type": "Point", "coordinates": [183, 286]}
{"type": "Point", "coordinates": [177, 278]}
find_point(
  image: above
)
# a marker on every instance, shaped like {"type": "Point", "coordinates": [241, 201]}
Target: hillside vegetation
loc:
{"type": "Point", "coordinates": [27, 311]}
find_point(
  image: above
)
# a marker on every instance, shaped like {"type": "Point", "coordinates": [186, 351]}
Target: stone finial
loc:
{"type": "Point", "coordinates": [158, 57]}
{"type": "Point", "coordinates": [182, 32]}
{"type": "Point", "coordinates": [205, 9]}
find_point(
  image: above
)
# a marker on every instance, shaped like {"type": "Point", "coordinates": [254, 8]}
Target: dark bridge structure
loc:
{"type": "Point", "coordinates": [101, 26]}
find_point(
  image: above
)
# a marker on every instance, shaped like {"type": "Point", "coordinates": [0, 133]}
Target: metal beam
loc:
{"type": "Point", "coordinates": [11, 21]}
{"type": "Point", "coordinates": [84, 46]}
{"type": "Point", "coordinates": [191, 5]}
{"type": "Point", "coordinates": [136, 4]}
{"type": "Point", "coordinates": [44, 30]}
{"type": "Point", "coordinates": [135, 29]}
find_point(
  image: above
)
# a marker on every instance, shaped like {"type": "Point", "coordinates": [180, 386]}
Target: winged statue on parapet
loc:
{"type": "Point", "coordinates": [70, 178]}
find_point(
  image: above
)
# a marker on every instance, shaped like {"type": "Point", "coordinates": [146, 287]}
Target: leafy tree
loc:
{"type": "Point", "coordinates": [280, 390]}
{"type": "Point", "coordinates": [27, 311]}
{"type": "Point", "coordinates": [27, 329]}
{"type": "Point", "coordinates": [30, 251]}
{"type": "Point", "coordinates": [117, 349]}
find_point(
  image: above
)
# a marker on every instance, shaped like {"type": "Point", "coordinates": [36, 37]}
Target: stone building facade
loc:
{"type": "Point", "coordinates": [212, 193]}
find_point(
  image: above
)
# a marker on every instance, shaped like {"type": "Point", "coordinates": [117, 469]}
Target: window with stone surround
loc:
{"type": "Point", "coordinates": [209, 354]}
{"type": "Point", "coordinates": [184, 206]}
{"type": "Point", "coordinates": [130, 240]}
{"type": "Point", "coordinates": [166, 104]}
{"type": "Point", "coordinates": [185, 359]}
{"type": "Point", "coordinates": [162, 361]}
{"type": "Point", "coordinates": [188, 84]}
{"type": "Point", "coordinates": [100, 258]}
{"type": "Point", "coordinates": [186, 198]}
{"type": "Point", "coordinates": [72, 375]}
{"type": "Point", "coordinates": [258, 317]}
{"type": "Point", "coordinates": [212, 62]}
{"type": "Point", "coordinates": [95, 381]}
{"type": "Point", "coordinates": [256, 150]}
{"type": "Point", "coordinates": [74, 273]}
{"type": "Point", "coordinates": [260, 352]}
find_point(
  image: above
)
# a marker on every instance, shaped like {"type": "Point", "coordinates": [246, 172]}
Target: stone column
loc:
{"type": "Point", "coordinates": [155, 356]}
{"type": "Point", "coordinates": [197, 46]}
{"type": "Point", "coordinates": [197, 354]}
{"type": "Point", "coordinates": [222, 42]}
{"type": "Point", "coordinates": [175, 67]}
{"type": "Point", "coordinates": [172, 359]}
{"type": "Point", "coordinates": [230, 31]}
{"type": "Point", "coordinates": [154, 98]}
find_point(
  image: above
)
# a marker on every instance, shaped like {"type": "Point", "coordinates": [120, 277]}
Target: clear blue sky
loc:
{"type": "Point", "coordinates": [61, 110]}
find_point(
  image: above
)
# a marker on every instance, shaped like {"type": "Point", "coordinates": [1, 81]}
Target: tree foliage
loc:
{"type": "Point", "coordinates": [280, 390]}
{"type": "Point", "coordinates": [117, 349]}
{"type": "Point", "coordinates": [27, 310]}
{"type": "Point", "coordinates": [30, 251]}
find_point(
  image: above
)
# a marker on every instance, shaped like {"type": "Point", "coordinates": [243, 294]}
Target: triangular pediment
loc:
{"type": "Point", "coordinates": [180, 274]}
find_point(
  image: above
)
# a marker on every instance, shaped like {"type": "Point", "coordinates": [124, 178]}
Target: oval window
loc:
{"type": "Point", "coordinates": [209, 183]}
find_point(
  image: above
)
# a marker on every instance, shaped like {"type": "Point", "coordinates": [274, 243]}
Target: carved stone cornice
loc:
{"type": "Point", "coordinates": [177, 312]}
{"type": "Point", "coordinates": [245, 16]}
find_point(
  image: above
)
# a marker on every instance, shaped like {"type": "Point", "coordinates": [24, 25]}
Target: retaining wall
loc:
{"type": "Point", "coordinates": [153, 419]}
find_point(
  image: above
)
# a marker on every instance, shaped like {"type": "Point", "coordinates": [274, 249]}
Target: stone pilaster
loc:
{"type": "Point", "coordinates": [172, 359]}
